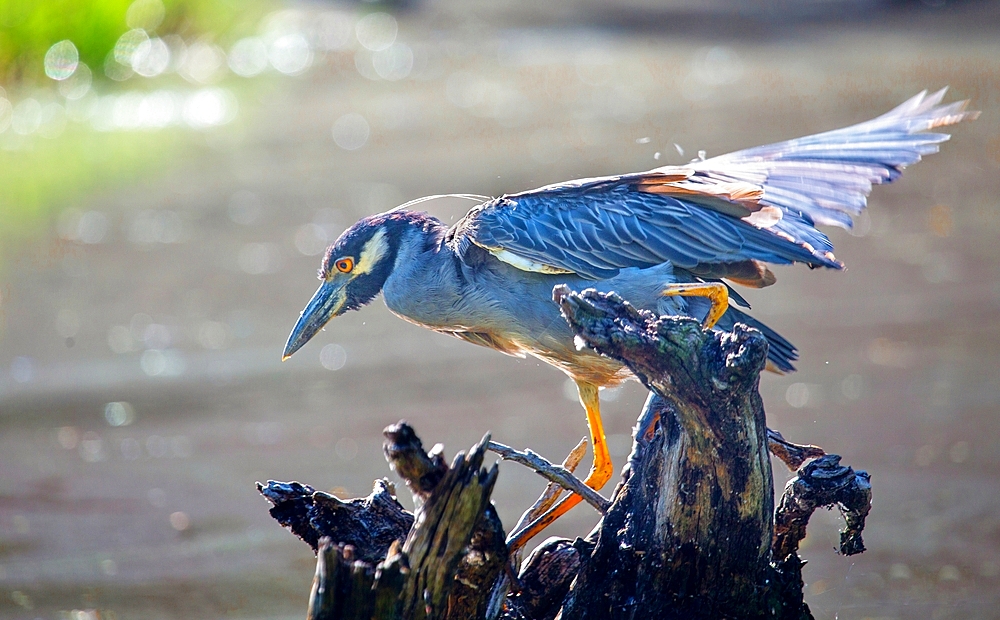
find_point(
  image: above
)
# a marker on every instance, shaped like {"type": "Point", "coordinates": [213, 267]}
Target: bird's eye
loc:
{"type": "Point", "coordinates": [344, 265]}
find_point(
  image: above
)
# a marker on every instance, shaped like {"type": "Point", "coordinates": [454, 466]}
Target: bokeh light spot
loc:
{"type": "Point", "coordinates": [248, 57]}
{"type": "Point", "coordinates": [26, 117]}
{"type": "Point", "coordinates": [203, 63]}
{"type": "Point", "coordinates": [115, 70]}
{"type": "Point", "coordinates": [68, 437]}
{"type": "Point", "coordinates": [245, 208]}
{"type": "Point", "coordinates": [6, 112]}
{"type": "Point", "coordinates": [109, 568]}
{"type": "Point", "coordinates": [61, 60]}
{"type": "Point", "coordinates": [67, 323]}
{"type": "Point", "coordinates": [119, 413]}
{"type": "Point", "coordinates": [310, 239]}
{"type": "Point", "coordinates": [22, 369]}
{"type": "Point", "coordinates": [259, 258]}
{"type": "Point", "coordinates": [209, 107]}
{"type": "Point", "coordinates": [351, 131]}
{"type": "Point", "coordinates": [394, 62]}
{"type": "Point", "coordinates": [333, 357]}
{"type": "Point", "coordinates": [145, 14]}
{"type": "Point", "coordinates": [335, 30]}
{"type": "Point", "coordinates": [290, 54]}
{"type": "Point", "coordinates": [151, 58]}
{"type": "Point", "coordinates": [213, 335]}
{"type": "Point", "coordinates": [128, 44]}
{"type": "Point", "coordinates": [92, 447]}
{"type": "Point", "coordinates": [180, 521]}
{"type": "Point", "coordinates": [376, 31]}
{"type": "Point", "coordinates": [157, 497]}
{"type": "Point", "coordinates": [346, 448]}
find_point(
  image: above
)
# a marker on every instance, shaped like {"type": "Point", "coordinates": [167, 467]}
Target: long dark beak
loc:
{"type": "Point", "coordinates": [327, 303]}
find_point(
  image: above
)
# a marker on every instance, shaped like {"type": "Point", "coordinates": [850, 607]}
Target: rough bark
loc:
{"type": "Point", "coordinates": [691, 531]}
{"type": "Point", "coordinates": [439, 563]}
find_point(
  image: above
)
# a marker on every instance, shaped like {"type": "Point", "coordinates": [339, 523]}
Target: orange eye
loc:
{"type": "Point", "coordinates": [344, 265]}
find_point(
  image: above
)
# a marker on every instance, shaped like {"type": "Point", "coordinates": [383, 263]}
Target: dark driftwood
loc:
{"type": "Point", "coordinates": [691, 531]}
{"type": "Point", "coordinates": [823, 482]}
{"type": "Point", "coordinates": [693, 516]}
{"type": "Point", "coordinates": [439, 563]}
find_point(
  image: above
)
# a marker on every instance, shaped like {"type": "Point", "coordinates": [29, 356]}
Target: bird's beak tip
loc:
{"type": "Point", "coordinates": [285, 356]}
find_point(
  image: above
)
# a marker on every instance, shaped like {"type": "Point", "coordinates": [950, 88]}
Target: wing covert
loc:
{"type": "Point", "coordinates": [722, 215]}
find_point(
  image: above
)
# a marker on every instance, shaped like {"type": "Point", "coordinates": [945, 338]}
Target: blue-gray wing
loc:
{"type": "Point", "coordinates": [826, 178]}
{"type": "Point", "coordinates": [719, 217]}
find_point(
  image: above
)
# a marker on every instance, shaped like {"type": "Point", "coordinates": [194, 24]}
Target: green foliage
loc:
{"type": "Point", "coordinates": [29, 27]}
{"type": "Point", "coordinates": [40, 176]}
{"type": "Point", "coordinates": [78, 163]}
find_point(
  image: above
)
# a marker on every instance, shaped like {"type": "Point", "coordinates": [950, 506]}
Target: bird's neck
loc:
{"type": "Point", "coordinates": [423, 270]}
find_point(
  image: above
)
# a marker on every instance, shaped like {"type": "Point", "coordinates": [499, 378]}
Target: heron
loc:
{"type": "Point", "coordinates": [673, 240]}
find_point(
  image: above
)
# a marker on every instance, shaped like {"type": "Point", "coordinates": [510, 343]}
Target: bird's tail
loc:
{"type": "Point", "coordinates": [780, 353]}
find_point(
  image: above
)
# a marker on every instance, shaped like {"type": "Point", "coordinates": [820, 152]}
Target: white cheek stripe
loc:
{"type": "Point", "coordinates": [372, 253]}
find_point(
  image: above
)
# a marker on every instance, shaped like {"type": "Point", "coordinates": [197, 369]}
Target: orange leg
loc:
{"type": "Point", "coordinates": [716, 292]}
{"type": "Point", "coordinates": [600, 471]}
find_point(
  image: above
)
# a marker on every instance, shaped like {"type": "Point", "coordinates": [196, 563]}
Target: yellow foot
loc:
{"type": "Point", "coordinates": [599, 474]}
{"type": "Point", "coordinates": [716, 292]}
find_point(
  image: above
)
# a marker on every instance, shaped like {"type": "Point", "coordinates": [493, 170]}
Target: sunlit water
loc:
{"type": "Point", "coordinates": [141, 388]}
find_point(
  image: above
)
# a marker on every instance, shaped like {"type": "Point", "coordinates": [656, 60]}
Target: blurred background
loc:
{"type": "Point", "coordinates": [171, 170]}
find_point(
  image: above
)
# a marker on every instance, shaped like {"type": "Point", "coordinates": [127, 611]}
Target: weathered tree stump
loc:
{"type": "Point", "coordinates": [387, 563]}
{"type": "Point", "coordinates": [691, 530]}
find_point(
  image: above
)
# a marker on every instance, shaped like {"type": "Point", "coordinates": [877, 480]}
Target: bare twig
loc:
{"type": "Point", "coordinates": [793, 455]}
{"type": "Point", "coordinates": [552, 490]}
{"type": "Point", "coordinates": [553, 473]}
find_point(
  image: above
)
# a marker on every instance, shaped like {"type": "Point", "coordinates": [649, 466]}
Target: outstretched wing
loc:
{"type": "Point", "coordinates": [718, 218]}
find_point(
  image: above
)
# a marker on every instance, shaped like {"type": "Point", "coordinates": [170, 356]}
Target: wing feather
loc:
{"type": "Point", "coordinates": [718, 217]}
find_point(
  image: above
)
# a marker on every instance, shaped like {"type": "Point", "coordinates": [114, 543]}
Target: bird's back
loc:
{"type": "Point", "coordinates": [463, 291]}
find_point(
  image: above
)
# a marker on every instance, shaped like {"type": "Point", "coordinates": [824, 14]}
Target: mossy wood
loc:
{"type": "Point", "coordinates": [691, 531]}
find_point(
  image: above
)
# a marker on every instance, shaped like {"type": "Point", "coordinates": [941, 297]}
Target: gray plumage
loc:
{"type": "Point", "coordinates": [488, 279]}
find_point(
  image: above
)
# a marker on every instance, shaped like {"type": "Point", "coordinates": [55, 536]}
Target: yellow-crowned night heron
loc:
{"type": "Point", "coordinates": [665, 240]}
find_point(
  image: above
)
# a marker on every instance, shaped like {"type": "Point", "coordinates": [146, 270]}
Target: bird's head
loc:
{"type": "Point", "coordinates": [354, 269]}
